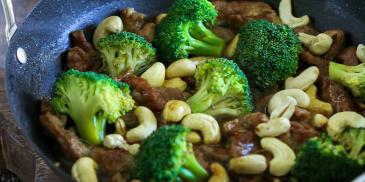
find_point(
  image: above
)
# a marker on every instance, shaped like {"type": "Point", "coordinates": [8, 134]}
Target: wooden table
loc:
{"type": "Point", "coordinates": [16, 154]}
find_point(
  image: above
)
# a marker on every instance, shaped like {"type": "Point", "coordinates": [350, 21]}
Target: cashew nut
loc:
{"type": "Point", "coordinates": [316, 105]}
{"type": "Point", "coordinates": [112, 24]}
{"type": "Point", "coordinates": [283, 156]}
{"type": "Point", "coordinates": [133, 149]}
{"type": "Point", "coordinates": [193, 137]}
{"type": "Point", "coordinates": [113, 141]}
{"type": "Point", "coordinates": [249, 164]}
{"type": "Point", "coordinates": [340, 121]}
{"type": "Point", "coordinates": [230, 49]}
{"type": "Point", "coordinates": [206, 124]}
{"type": "Point", "coordinates": [304, 80]}
{"type": "Point", "coordinates": [175, 110]}
{"type": "Point", "coordinates": [159, 18]}
{"type": "Point", "coordinates": [282, 100]}
{"type": "Point", "coordinates": [319, 120]}
{"type": "Point", "coordinates": [360, 52]}
{"type": "Point", "coordinates": [286, 16]}
{"type": "Point", "coordinates": [181, 68]}
{"type": "Point", "coordinates": [120, 127]}
{"type": "Point", "coordinates": [84, 170]}
{"type": "Point", "coordinates": [318, 45]}
{"type": "Point", "coordinates": [155, 75]}
{"type": "Point", "coordinates": [148, 124]}
{"type": "Point", "coordinates": [219, 173]}
{"type": "Point", "coordinates": [285, 110]}
{"type": "Point", "coordinates": [273, 128]}
{"type": "Point", "coordinates": [177, 83]}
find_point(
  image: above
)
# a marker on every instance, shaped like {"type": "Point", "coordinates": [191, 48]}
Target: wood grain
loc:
{"type": "Point", "coordinates": [16, 154]}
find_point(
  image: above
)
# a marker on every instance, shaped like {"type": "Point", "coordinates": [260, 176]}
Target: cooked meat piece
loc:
{"type": "Point", "coordinates": [46, 107]}
{"type": "Point", "coordinates": [199, 155]}
{"type": "Point", "coordinates": [243, 142]}
{"type": "Point", "coordinates": [70, 143]}
{"type": "Point", "coordinates": [83, 56]}
{"type": "Point", "coordinates": [225, 33]}
{"type": "Point", "coordinates": [130, 120]}
{"type": "Point", "coordinates": [173, 94]}
{"type": "Point", "coordinates": [306, 29]}
{"type": "Point", "coordinates": [348, 56]}
{"type": "Point", "coordinates": [144, 94]}
{"type": "Point", "coordinates": [329, 91]}
{"type": "Point", "coordinates": [338, 37]}
{"type": "Point", "coordinates": [214, 153]}
{"type": "Point", "coordinates": [112, 160]}
{"type": "Point", "coordinates": [133, 21]}
{"type": "Point", "coordinates": [248, 122]}
{"type": "Point", "coordinates": [237, 13]}
{"type": "Point", "coordinates": [147, 31]}
{"type": "Point", "coordinates": [301, 115]}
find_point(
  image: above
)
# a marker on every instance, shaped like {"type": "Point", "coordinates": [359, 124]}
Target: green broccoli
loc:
{"type": "Point", "coordinates": [166, 156]}
{"type": "Point", "coordinates": [183, 31]}
{"type": "Point", "coordinates": [126, 50]}
{"type": "Point", "coordinates": [91, 99]}
{"type": "Point", "coordinates": [222, 89]}
{"type": "Point", "coordinates": [352, 77]}
{"type": "Point", "coordinates": [320, 160]}
{"type": "Point", "coordinates": [267, 53]}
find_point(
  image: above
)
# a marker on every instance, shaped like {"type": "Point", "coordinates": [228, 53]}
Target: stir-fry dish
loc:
{"type": "Point", "coordinates": [212, 91]}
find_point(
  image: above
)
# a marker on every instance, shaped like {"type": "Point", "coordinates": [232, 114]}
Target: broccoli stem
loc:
{"type": "Point", "coordinates": [201, 100]}
{"type": "Point", "coordinates": [337, 71]}
{"type": "Point", "coordinates": [200, 32]}
{"type": "Point", "coordinates": [192, 165]}
{"type": "Point", "coordinates": [359, 144]}
{"type": "Point", "coordinates": [186, 174]}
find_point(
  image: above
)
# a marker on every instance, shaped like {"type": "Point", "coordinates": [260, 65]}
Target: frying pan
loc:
{"type": "Point", "coordinates": [44, 37]}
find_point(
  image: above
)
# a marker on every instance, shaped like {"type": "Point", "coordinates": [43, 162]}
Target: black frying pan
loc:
{"type": "Point", "coordinates": [45, 37]}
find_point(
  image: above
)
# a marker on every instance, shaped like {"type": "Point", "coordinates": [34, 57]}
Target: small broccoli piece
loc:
{"type": "Point", "coordinates": [166, 156]}
{"type": "Point", "coordinates": [126, 50]}
{"type": "Point", "coordinates": [352, 77]}
{"type": "Point", "coordinates": [91, 99]}
{"type": "Point", "coordinates": [222, 89]}
{"type": "Point", "coordinates": [320, 160]}
{"type": "Point", "coordinates": [183, 31]}
{"type": "Point", "coordinates": [267, 52]}
{"type": "Point", "coordinates": [353, 139]}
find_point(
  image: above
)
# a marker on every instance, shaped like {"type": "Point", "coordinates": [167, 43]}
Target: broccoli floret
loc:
{"type": "Point", "coordinates": [126, 50]}
{"type": "Point", "coordinates": [267, 52]}
{"type": "Point", "coordinates": [91, 99]}
{"type": "Point", "coordinates": [183, 31]}
{"type": "Point", "coordinates": [353, 139]}
{"type": "Point", "coordinates": [352, 77]}
{"type": "Point", "coordinates": [166, 156]}
{"type": "Point", "coordinates": [320, 160]}
{"type": "Point", "coordinates": [222, 89]}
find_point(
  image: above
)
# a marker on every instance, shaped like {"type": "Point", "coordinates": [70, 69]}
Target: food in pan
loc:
{"type": "Point", "coordinates": [210, 91]}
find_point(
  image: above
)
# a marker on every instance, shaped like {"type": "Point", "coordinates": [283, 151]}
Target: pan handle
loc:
{"type": "Point", "coordinates": [10, 26]}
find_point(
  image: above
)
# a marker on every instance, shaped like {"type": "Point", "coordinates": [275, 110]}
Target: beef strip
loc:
{"type": "Point", "coordinates": [112, 160]}
{"type": "Point", "coordinates": [173, 94]}
{"type": "Point", "coordinates": [348, 56]}
{"type": "Point", "coordinates": [301, 115]}
{"type": "Point", "coordinates": [214, 153]}
{"type": "Point", "coordinates": [144, 94]}
{"type": "Point", "coordinates": [338, 37]}
{"type": "Point", "coordinates": [148, 31]}
{"type": "Point", "coordinates": [330, 91]}
{"type": "Point", "coordinates": [306, 29]}
{"type": "Point", "coordinates": [133, 21]}
{"type": "Point", "coordinates": [237, 13]}
{"type": "Point", "coordinates": [225, 33]}
{"type": "Point", "coordinates": [82, 56]}
{"type": "Point", "coordinates": [70, 143]}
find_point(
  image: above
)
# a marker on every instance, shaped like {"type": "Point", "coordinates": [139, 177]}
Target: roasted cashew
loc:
{"type": "Point", "coordinates": [318, 45]}
{"type": "Point", "coordinates": [111, 24]}
{"type": "Point", "coordinates": [206, 124]}
{"type": "Point", "coordinates": [283, 156]}
{"type": "Point", "coordinates": [360, 52]}
{"type": "Point", "coordinates": [120, 127]}
{"type": "Point", "coordinates": [155, 75]}
{"type": "Point", "coordinates": [273, 128]}
{"type": "Point", "coordinates": [177, 83]}
{"type": "Point", "coordinates": [148, 124]}
{"type": "Point", "coordinates": [133, 149]}
{"type": "Point", "coordinates": [84, 170]}
{"type": "Point", "coordinates": [175, 110]}
{"type": "Point", "coordinates": [193, 137]}
{"type": "Point", "coordinates": [340, 121]}
{"type": "Point", "coordinates": [319, 120]}
{"type": "Point", "coordinates": [113, 141]}
{"type": "Point", "coordinates": [286, 16]}
{"type": "Point", "coordinates": [230, 49]}
{"type": "Point", "coordinates": [159, 18]}
{"type": "Point", "coordinates": [181, 68]}
{"type": "Point", "coordinates": [304, 80]}
{"type": "Point", "coordinates": [316, 105]}
{"type": "Point", "coordinates": [249, 164]}
{"type": "Point", "coordinates": [219, 173]}
{"type": "Point", "coordinates": [281, 101]}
